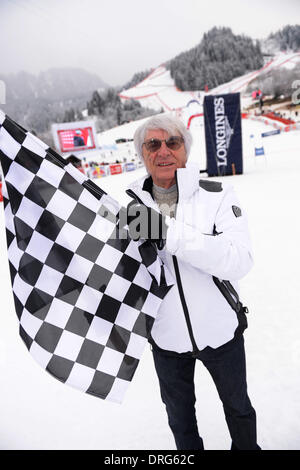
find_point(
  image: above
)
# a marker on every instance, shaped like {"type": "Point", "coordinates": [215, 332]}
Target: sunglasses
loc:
{"type": "Point", "coordinates": [173, 143]}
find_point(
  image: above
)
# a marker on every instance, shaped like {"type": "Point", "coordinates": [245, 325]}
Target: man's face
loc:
{"type": "Point", "coordinates": [163, 163]}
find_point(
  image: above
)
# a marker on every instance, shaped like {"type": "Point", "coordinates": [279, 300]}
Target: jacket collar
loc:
{"type": "Point", "coordinates": [187, 181]}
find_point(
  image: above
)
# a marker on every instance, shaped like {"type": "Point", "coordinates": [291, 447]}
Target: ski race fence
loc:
{"type": "Point", "coordinates": [276, 123]}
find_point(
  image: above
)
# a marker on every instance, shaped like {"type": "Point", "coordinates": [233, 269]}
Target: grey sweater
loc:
{"type": "Point", "coordinates": [166, 199]}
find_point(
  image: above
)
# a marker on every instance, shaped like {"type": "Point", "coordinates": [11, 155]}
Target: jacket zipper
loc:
{"type": "Point", "coordinates": [184, 307]}
{"type": "Point", "coordinates": [178, 280]}
{"type": "Point", "coordinates": [181, 292]}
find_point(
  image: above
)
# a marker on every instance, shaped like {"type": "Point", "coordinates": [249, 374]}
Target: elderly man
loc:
{"type": "Point", "coordinates": [206, 246]}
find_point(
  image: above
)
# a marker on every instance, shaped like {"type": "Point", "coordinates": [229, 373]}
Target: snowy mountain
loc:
{"type": "Point", "coordinates": [222, 62]}
{"type": "Point", "coordinates": [286, 39]}
{"type": "Point", "coordinates": [36, 101]}
{"type": "Point", "coordinates": [158, 90]}
{"type": "Point", "coordinates": [56, 84]}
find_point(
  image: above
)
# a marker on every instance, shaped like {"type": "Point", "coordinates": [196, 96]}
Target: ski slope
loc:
{"type": "Point", "coordinates": [39, 412]}
{"type": "Point", "coordinates": [158, 90]}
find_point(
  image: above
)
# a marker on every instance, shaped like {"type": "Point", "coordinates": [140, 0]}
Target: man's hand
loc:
{"type": "Point", "coordinates": [146, 223]}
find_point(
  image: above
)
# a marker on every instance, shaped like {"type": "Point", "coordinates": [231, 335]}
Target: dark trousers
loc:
{"type": "Point", "coordinates": [227, 366]}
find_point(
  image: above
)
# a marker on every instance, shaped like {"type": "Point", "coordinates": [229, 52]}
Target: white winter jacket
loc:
{"type": "Point", "coordinates": [194, 314]}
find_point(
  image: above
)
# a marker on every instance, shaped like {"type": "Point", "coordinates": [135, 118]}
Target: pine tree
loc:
{"type": "Point", "coordinates": [220, 57]}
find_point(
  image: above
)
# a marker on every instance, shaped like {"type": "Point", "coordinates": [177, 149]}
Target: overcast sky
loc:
{"type": "Point", "coordinates": [116, 38]}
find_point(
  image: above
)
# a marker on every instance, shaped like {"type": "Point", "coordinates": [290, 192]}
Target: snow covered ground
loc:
{"type": "Point", "coordinates": [158, 91]}
{"type": "Point", "coordinates": [39, 412]}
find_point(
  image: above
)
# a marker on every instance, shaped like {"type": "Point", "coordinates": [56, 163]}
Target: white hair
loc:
{"type": "Point", "coordinates": [172, 125]}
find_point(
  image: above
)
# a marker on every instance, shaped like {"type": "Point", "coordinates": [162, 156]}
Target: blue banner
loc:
{"type": "Point", "coordinates": [259, 151]}
{"type": "Point", "coordinates": [266, 134]}
{"type": "Point", "coordinates": [130, 166]}
{"type": "Point", "coordinates": [223, 134]}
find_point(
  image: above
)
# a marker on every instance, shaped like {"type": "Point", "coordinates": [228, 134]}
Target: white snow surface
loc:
{"type": "Point", "coordinates": [39, 412]}
{"type": "Point", "coordinates": [158, 91]}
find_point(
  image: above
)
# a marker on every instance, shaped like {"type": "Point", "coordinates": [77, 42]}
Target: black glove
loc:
{"type": "Point", "coordinates": [146, 223]}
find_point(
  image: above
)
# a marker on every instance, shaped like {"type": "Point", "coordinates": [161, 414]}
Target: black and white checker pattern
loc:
{"type": "Point", "coordinates": [86, 295]}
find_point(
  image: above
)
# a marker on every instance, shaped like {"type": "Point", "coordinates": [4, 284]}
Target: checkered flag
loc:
{"type": "Point", "coordinates": [86, 295]}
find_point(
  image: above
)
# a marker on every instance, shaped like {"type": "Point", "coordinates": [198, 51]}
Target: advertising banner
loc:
{"type": "Point", "coordinates": [267, 134]}
{"type": "Point", "coordinates": [115, 169]}
{"type": "Point", "coordinates": [130, 166]}
{"type": "Point", "coordinates": [99, 171]}
{"type": "Point", "coordinates": [223, 134]}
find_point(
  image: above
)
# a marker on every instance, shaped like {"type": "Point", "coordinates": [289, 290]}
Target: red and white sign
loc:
{"type": "Point", "coordinates": [115, 169]}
